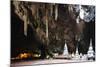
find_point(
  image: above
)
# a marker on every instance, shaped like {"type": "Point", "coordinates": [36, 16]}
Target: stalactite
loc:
{"type": "Point", "coordinates": [25, 25]}
{"type": "Point", "coordinates": [56, 12]}
{"type": "Point", "coordinates": [46, 26]}
{"type": "Point", "coordinates": [46, 20]}
{"type": "Point", "coordinates": [77, 20]}
{"type": "Point", "coordinates": [22, 12]}
{"type": "Point", "coordinates": [26, 20]}
{"type": "Point", "coordinates": [51, 9]}
{"type": "Point", "coordinates": [81, 13]}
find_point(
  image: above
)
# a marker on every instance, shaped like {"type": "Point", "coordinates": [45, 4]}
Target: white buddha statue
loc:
{"type": "Point", "coordinates": [90, 52]}
{"type": "Point", "coordinates": [65, 52]}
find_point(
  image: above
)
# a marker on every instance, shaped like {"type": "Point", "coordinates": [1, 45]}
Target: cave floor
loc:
{"type": "Point", "coordinates": [46, 61]}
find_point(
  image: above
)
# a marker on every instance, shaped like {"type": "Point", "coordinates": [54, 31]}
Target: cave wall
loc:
{"type": "Point", "coordinates": [46, 26]}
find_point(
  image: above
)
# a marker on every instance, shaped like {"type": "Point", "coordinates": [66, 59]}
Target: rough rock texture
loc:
{"type": "Point", "coordinates": [46, 25]}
